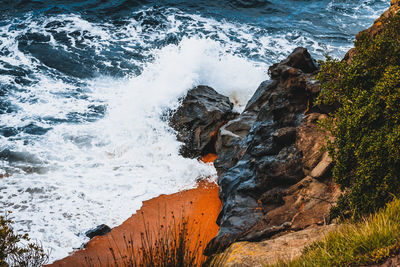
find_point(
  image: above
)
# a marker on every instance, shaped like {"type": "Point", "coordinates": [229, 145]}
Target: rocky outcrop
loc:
{"type": "Point", "coordinates": [197, 121]}
{"type": "Point", "coordinates": [273, 175]}
{"type": "Point", "coordinates": [286, 92]}
{"type": "Point", "coordinates": [306, 202]}
{"type": "Point", "coordinates": [269, 252]}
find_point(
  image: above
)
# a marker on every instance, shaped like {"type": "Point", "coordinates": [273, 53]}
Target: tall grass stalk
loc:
{"type": "Point", "coordinates": [177, 244]}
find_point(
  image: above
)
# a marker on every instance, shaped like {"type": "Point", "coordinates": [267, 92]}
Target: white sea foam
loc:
{"type": "Point", "coordinates": [100, 172]}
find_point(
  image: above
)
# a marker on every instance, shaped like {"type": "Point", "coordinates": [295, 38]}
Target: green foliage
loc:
{"type": "Point", "coordinates": [369, 241]}
{"type": "Point", "coordinates": [366, 126]}
{"type": "Point", "coordinates": [13, 251]}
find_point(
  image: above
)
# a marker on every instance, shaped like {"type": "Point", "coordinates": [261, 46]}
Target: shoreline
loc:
{"type": "Point", "coordinates": [201, 205]}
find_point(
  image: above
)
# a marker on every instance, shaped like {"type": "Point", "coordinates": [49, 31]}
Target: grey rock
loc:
{"type": "Point", "coordinates": [258, 157]}
{"type": "Point", "coordinates": [102, 229]}
{"type": "Point", "coordinates": [197, 121]}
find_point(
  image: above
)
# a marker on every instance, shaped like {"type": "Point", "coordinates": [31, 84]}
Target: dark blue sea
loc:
{"type": "Point", "coordinates": [84, 84]}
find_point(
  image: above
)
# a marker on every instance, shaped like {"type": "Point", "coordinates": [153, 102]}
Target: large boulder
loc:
{"type": "Point", "coordinates": [273, 175]}
{"type": "Point", "coordinates": [197, 121]}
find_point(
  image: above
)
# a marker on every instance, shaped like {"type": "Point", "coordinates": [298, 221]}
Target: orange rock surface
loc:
{"type": "Point", "coordinates": [200, 204]}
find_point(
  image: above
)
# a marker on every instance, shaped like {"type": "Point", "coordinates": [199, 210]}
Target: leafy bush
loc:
{"type": "Point", "coordinates": [12, 250]}
{"type": "Point", "coordinates": [366, 125]}
{"type": "Point", "coordinates": [366, 242]}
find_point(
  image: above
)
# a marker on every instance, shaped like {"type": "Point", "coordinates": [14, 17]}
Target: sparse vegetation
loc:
{"type": "Point", "coordinates": [366, 125]}
{"type": "Point", "coordinates": [175, 245]}
{"type": "Point", "coordinates": [17, 249]}
{"type": "Point", "coordinates": [371, 240]}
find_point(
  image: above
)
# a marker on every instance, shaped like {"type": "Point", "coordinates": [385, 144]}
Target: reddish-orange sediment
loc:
{"type": "Point", "coordinates": [200, 205]}
{"type": "Point", "coordinates": [209, 158]}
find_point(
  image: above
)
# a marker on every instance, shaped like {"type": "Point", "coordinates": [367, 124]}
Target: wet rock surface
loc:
{"type": "Point", "coordinates": [102, 229]}
{"type": "Point", "coordinates": [197, 121]}
{"type": "Point", "coordinates": [274, 177]}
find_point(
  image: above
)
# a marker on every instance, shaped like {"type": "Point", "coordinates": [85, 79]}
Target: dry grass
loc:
{"type": "Point", "coordinates": [369, 241]}
{"type": "Point", "coordinates": [178, 244]}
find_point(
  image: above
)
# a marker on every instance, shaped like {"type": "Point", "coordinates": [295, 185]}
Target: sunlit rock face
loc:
{"type": "Point", "coordinates": [269, 252]}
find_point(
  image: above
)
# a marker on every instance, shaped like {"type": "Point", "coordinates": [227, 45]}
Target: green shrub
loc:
{"type": "Point", "coordinates": [369, 241]}
{"type": "Point", "coordinates": [17, 250]}
{"type": "Point", "coordinates": [366, 125]}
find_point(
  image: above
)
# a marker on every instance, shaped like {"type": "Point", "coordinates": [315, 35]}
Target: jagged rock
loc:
{"type": "Point", "coordinates": [269, 252]}
{"type": "Point", "coordinates": [299, 59]}
{"type": "Point", "coordinates": [229, 145]}
{"type": "Point", "coordinates": [279, 178]}
{"type": "Point", "coordinates": [202, 112]}
{"type": "Point", "coordinates": [102, 229]}
{"type": "Point", "coordinates": [303, 204]}
{"type": "Point", "coordinates": [259, 97]}
{"type": "Point", "coordinates": [310, 139]}
{"type": "Point", "coordinates": [285, 136]}
{"type": "Point", "coordinates": [258, 156]}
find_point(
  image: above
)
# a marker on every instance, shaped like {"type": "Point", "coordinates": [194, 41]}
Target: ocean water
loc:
{"type": "Point", "coordinates": [84, 86]}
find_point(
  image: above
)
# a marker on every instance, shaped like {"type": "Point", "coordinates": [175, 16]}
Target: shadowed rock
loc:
{"type": "Point", "coordinates": [298, 59]}
{"type": "Point", "coordinates": [273, 175]}
{"type": "Point", "coordinates": [202, 112]}
{"type": "Point", "coordinates": [266, 156]}
{"type": "Point", "coordinates": [102, 229]}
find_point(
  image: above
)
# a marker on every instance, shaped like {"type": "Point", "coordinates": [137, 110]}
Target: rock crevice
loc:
{"type": "Point", "coordinates": [272, 174]}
